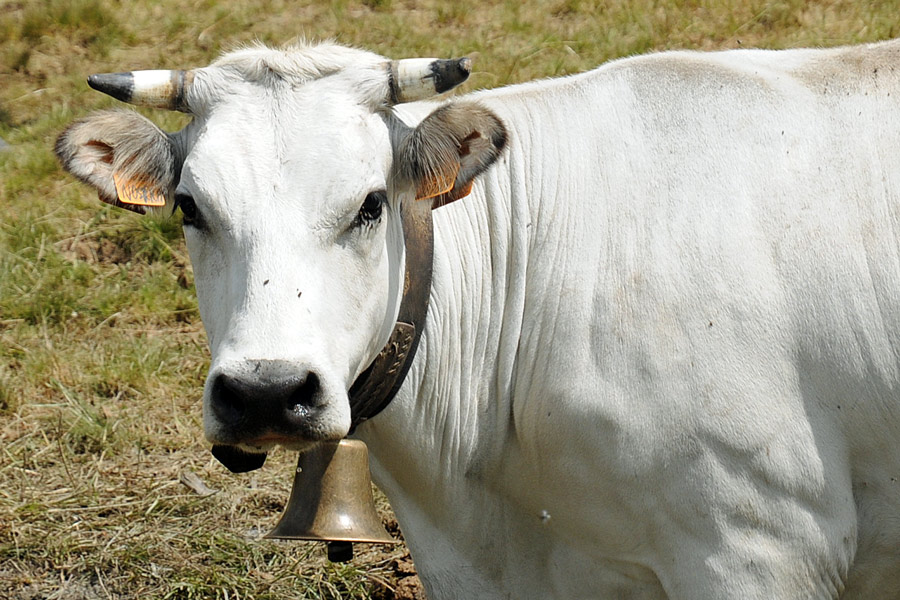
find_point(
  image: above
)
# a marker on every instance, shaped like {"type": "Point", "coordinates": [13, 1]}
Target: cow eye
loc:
{"type": "Point", "coordinates": [188, 207]}
{"type": "Point", "coordinates": [371, 208]}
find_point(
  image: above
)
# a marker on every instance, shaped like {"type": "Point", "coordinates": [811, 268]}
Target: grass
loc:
{"type": "Point", "coordinates": [102, 354]}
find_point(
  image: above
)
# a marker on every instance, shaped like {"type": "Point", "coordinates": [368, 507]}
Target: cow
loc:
{"type": "Point", "coordinates": [657, 350]}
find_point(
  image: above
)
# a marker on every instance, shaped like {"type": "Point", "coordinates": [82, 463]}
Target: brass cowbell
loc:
{"type": "Point", "coordinates": [331, 500]}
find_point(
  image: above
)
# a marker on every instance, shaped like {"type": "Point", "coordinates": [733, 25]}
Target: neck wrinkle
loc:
{"type": "Point", "coordinates": [456, 402]}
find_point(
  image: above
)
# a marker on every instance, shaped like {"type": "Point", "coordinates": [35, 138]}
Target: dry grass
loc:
{"type": "Point", "coordinates": [102, 355]}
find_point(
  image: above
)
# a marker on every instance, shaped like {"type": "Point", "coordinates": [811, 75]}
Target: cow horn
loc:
{"type": "Point", "coordinates": [157, 89]}
{"type": "Point", "coordinates": [419, 78]}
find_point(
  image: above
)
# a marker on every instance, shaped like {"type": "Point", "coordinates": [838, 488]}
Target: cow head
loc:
{"type": "Point", "coordinates": [290, 180]}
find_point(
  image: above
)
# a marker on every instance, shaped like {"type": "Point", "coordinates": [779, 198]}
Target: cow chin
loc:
{"type": "Point", "coordinates": [240, 453]}
{"type": "Point", "coordinates": [251, 454]}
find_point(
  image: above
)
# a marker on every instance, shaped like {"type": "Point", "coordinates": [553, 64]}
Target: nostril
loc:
{"type": "Point", "coordinates": [303, 397]}
{"type": "Point", "coordinates": [229, 401]}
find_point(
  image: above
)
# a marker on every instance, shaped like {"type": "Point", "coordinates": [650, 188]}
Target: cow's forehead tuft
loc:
{"type": "Point", "coordinates": [365, 74]}
{"type": "Point", "coordinates": [297, 63]}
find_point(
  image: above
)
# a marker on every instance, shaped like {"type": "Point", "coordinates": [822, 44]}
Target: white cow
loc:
{"type": "Point", "coordinates": [662, 353]}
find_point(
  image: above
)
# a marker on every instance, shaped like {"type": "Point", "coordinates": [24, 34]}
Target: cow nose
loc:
{"type": "Point", "coordinates": [271, 397]}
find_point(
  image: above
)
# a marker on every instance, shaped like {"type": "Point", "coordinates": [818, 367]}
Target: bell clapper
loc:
{"type": "Point", "coordinates": [339, 551]}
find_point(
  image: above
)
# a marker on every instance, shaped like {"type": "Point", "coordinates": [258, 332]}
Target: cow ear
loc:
{"type": "Point", "coordinates": [449, 149]}
{"type": "Point", "coordinates": [129, 161]}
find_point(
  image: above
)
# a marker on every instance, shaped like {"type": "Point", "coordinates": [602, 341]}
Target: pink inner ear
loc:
{"type": "Point", "coordinates": [100, 151]}
{"type": "Point", "coordinates": [464, 144]}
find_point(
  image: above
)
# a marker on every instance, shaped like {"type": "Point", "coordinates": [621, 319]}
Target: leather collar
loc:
{"type": "Point", "coordinates": [374, 389]}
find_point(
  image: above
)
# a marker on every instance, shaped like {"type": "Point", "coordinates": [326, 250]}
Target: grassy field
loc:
{"type": "Point", "coordinates": [102, 354]}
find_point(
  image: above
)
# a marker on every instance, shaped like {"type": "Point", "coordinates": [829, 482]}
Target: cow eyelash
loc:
{"type": "Point", "coordinates": [190, 215]}
{"type": "Point", "coordinates": [371, 209]}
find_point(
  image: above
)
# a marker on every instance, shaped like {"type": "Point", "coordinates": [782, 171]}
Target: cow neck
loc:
{"type": "Point", "coordinates": [374, 389]}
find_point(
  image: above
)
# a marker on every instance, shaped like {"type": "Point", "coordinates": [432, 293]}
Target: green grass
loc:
{"type": "Point", "coordinates": [102, 354]}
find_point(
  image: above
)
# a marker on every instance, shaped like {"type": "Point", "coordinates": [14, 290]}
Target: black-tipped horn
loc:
{"type": "Point", "coordinates": [118, 85]}
{"type": "Point", "coordinates": [157, 89]}
{"type": "Point", "coordinates": [450, 73]}
{"type": "Point", "coordinates": [419, 78]}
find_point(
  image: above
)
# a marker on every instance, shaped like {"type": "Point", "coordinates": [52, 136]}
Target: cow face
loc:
{"type": "Point", "coordinates": [290, 180]}
{"type": "Point", "coordinates": [297, 261]}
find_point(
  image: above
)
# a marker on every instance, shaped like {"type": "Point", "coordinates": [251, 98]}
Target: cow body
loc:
{"type": "Point", "coordinates": [669, 320]}
{"type": "Point", "coordinates": [661, 354]}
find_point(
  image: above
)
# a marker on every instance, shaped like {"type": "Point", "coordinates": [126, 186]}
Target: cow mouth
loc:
{"type": "Point", "coordinates": [238, 461]}
{"type": "Point", "coordinates": [251, 455]}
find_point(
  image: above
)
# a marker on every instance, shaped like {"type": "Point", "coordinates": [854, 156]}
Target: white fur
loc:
{"type": "Point", "coordinates": [661, 358]}
{"type": "Point", "coordinates": [669, 318]}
